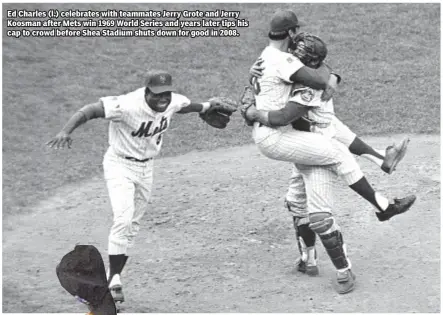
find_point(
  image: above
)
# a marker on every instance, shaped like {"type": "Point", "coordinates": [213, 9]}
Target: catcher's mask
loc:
{"type": "Point", "coordinates": [310, 49]}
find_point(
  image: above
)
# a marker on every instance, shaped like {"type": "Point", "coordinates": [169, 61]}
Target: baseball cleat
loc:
{"type": "Point", "coordinates": [394, 154]}
{"type": "Point", "coordinates": [305, 267]}
{"type": "Point", "coordinates": [398, 207]}
{"type": "Point", "coordinates": [301, 265]}
{"type": "Point", "coordinates": [312, 271]}
{"type": "Point", "coordinates": [345, 281]}
{"type": "Point", "coordinates": [117, 293]}
{"type": "Point", "coordinates": [116, 288]}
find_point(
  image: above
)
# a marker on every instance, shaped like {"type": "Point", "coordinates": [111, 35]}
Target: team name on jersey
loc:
{"type": "Point", "coordinates": [145, 128]}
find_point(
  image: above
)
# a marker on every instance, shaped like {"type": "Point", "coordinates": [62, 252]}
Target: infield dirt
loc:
{"type": "Point", "coordinates": [217, 239]}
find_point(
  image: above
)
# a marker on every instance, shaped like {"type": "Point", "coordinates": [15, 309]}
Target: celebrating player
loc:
{"type": "Point", "coordinates": [309, 150]}
{"type": "Point", "coordinates": [318, 116]}
{"type": "Point", "coordinates": [137, 123]}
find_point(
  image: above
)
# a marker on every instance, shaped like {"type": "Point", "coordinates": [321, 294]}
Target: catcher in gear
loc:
{"type": "Point", "coordinates": [137, 121]}
{"type": "Point", "coordinates": [312, 51]}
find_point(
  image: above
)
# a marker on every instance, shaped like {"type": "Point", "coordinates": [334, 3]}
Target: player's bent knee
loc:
{"type": "Point", "coordinates": [322, 223]}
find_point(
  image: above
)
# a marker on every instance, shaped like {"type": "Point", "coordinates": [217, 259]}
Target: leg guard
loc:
{"type": "Point", "coordinates": [306, 245]}
{"type": "Point", "coordinates": [300, 242]}
{"type": "Point", "coordinates": [324, 225]}
{"type": "Point", "coordinates": [307, 234]}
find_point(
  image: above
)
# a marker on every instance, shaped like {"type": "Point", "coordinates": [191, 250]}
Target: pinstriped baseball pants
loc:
{"type": "Point", "coordinates": [309, 149]}
{"type": "Point", "coordinates": [318, 179]}
{"type": "Point", "coordinates": [129, 186]}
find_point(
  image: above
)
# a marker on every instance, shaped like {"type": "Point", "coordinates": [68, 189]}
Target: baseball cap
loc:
{"type": "Point", "coordinates": [82, 273]}
{"type": "Point", "coordinates": [282, 21]}
{"type": "Point", "coordinates": [159, 81]}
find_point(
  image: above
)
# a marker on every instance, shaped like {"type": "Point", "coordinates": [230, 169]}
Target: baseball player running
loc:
{"type": "Point", "coordinates": [137, 123]}
{"type": "Point", "coordinates": [318, 180]}
{"type": "Point", "coordinates": [319, 116]}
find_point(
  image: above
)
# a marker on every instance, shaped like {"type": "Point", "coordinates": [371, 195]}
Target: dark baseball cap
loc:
{"type": "Point", "coordinates": [282, 21]}
{"type": "Point", "coordinates": [159, 81]}
{"type": "Point", "coordinates": [82, 273]}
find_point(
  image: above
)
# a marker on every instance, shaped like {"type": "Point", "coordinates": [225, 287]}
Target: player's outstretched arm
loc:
{"type": "Point", "coordinates": [216, 112]}
{"type": "Point", "coordinates": [194, 108]}
{"type": "Point", "coordinates": [276, 118]}
{"type": "Point", "coordinates": [87, 112]}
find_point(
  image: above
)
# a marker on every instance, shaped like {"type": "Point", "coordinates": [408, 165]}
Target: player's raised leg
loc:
{"type": "Point", "coordinates": [385, 208]}
{"type": "Point", "coordinates": [387, 159]}
{"type": "Point", "coordinates": [314, 149]}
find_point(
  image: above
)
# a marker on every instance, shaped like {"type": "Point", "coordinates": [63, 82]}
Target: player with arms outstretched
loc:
{"type": "Point", "coordinates": [138, 121]}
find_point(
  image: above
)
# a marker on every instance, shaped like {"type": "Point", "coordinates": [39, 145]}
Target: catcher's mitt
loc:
{"type": "Point", "coordinates": [219, 112]}
{"type": "Point", "coordinates": [247, 100]}
{"type": "Point", "coordinates": [310, 49]}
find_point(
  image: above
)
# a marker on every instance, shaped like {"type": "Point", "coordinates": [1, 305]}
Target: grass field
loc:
{"type": "Point", "coordinates": [388, 56]}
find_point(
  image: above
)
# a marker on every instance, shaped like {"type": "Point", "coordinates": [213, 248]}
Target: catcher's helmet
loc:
{"type": "Point", "coordinates": [310, 49]}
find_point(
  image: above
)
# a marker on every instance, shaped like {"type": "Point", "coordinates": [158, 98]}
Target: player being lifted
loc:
{"type": "Point", "coordinates": [137, 123]}
{"type": "Point", "coordinates": [307, 112]}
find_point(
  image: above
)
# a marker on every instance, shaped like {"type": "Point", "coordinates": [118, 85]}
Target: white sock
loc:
{"type": "Point", "coordinates": [311, 256]}
{"type": "Point", "coordinates": [115, 280]}
{"type": "Point", "coordinates": [382, 201]}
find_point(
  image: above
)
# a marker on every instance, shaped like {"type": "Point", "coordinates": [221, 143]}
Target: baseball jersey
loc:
{"type": "Point", "coordinates": [135, 130]}
{"type": "Point", "coordinates": [275, 85]}
{"type": "Point", "coordinates": [320, 112]}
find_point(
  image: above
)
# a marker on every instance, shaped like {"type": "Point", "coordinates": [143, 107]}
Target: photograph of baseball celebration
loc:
{"type": "Point", "coordinates": [221, 158]}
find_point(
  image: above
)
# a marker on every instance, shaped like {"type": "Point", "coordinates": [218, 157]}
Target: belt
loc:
{"type": "Point", "coordinates": [137, 160]}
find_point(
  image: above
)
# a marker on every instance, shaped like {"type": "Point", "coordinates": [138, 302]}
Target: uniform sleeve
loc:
{"type": "Point", "coordinates": [305, 96]}
{"type": "Point", "coordinates": [288, 66]}
{"type": "Point", "coordinates": [179, 101]}
{"type": "Point", "coordinates": [113, 108]}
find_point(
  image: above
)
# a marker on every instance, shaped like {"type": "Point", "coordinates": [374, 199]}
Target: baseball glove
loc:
{"type": "Point", "coordinates": [247, 100]}
{"type": "Point", "coordinates": [219, 113]}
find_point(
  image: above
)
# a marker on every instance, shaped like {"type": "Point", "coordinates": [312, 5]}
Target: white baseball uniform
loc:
{"type": "Point", "coordinates": [285, 143]}
{"type": "Point", "coordinates": [135, 139]}
{"type": "Point", "coordinates": [322, 114]}
{"type": "Point", "coordinates": [315, 182]}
